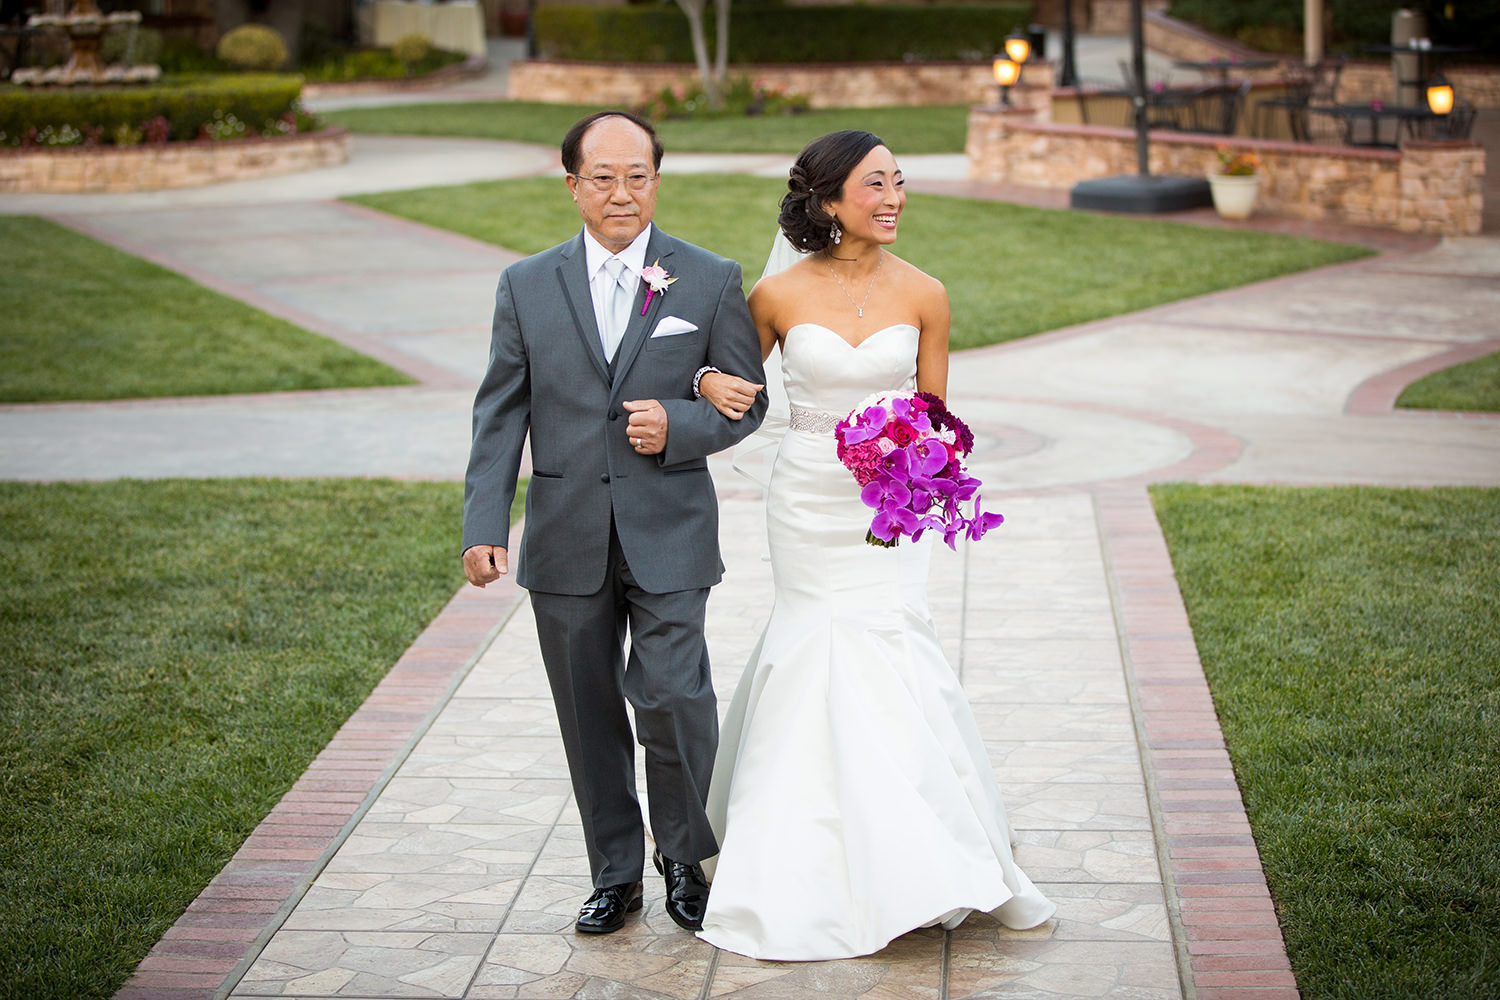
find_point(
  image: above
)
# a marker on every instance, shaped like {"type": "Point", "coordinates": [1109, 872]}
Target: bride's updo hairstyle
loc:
{"type": "Point", "coordinates": [817, 178]}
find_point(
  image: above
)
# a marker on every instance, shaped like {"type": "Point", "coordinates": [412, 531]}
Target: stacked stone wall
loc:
{"type": "Point", "coordinates": [837, 85]}
{"type": "Point", "coordinates": [175, 165]}
{"type": "Point", "coordinates": [1425, 187]}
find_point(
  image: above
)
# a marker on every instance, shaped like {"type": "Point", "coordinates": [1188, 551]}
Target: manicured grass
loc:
{"type": "Point", "coordinates": [1351, 637]}
{"type": "Point", "coordinates": [176, 653]}
{"type": "Point", "coordinates": [933, 129]}
{"type": "Point", "coordinates": [85, 321]}
{"type": "Point", "coordinates": [1011, 270]}
{"type": "Point", "coordinates": [1473, 386]}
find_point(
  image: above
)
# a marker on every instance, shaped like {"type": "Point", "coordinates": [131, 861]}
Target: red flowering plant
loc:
{"type": "Point", "coordinates": [906, 451]}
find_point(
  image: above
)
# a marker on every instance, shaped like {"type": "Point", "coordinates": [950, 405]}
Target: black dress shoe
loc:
{"type": "Point", "coordinates": [687, 891]}
{"type": "Point", "coordinates": [605, 911]}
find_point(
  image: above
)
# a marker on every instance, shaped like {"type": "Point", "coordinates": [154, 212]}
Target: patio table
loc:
{"type": "Point", "coordinates": [1377, 116]}
{"type": "Point", "coordinates": [1223, 67]}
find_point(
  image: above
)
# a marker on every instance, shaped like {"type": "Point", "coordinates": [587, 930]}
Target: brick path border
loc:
{"type": "Point", "coordinates": [211, 946]}
{"type": "Point", "coordinates": [1224, 927]}
{"type": "Point", "coordinates": [1376, 396]}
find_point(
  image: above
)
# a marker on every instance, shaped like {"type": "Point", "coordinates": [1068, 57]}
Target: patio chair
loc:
{"type": "Point", "coordinates": [1457, 124]}
{"type": "Point", "coordinates": [1216, 109]}
{"type": "Point", "coordinates": [1305, 85]}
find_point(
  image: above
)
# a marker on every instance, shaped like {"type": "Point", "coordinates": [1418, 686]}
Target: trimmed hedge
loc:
{"type": "Point", "coordinates": [884, 33]}
{"type": "Point", "coordinates": [1354, 25]}
{"type": "Point", "coordinates": [187, 104]}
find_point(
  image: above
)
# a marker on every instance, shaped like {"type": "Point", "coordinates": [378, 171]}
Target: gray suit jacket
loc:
{"type": "Point", "coordinates": [547, 376]}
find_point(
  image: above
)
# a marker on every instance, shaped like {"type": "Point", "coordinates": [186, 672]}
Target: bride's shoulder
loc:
{"type": "Point", "coordinates": [775, 287]}
{"type": "Point", "coordinates": [915, 282]}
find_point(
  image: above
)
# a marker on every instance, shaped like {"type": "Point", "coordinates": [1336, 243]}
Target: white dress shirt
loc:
{"type": "Point", "coordinates": [594, 256]}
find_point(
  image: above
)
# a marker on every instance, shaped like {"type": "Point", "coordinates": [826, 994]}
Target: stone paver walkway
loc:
{"type": "Point", "coordinates": [432, 849]}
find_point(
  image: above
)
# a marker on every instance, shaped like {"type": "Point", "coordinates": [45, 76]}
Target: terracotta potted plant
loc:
{"type": "Point", "coordinates": [1235, 183]}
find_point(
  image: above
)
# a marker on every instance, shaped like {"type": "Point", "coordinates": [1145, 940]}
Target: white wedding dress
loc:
{"type": "Point", "coordinates": [852, 795]}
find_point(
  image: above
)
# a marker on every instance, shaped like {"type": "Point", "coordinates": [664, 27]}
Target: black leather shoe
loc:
{"type": "Point", "coordinates": [605, 911]}
{"type": "Point", "coordinates": [687, 891]}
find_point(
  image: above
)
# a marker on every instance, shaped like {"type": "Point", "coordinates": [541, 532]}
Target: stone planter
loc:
{"type": "Point", "coordinates": [1234, 197]}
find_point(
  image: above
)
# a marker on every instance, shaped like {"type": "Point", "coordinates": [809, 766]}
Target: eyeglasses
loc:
{"type": "Point", "coordinates": [605, 183]}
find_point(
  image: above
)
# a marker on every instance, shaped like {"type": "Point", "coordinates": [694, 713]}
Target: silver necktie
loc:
{"type": "Point", "coordinates": [616, 308]}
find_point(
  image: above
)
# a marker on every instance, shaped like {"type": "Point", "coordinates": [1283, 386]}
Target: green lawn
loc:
{"type": "Point", "coordinates": [176, 653]}
{"type": "Point", "coordinates": [1351, 638]}
{"type": "Point", "coordinates": [1473, 386]}
{"type": "Point", "coordinates": [1011, 270]}
{"type": "Point", "coordinates": [86, 321]}
{"type": "Point", "coordinates": [932, 129]}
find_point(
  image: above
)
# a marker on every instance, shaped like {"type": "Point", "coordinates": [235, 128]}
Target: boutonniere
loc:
{"type": "Point", "coordinates": [657, 280]}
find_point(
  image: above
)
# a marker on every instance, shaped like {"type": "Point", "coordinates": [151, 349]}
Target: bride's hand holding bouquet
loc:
{"type": "Point", "coordinates": [906, 449]}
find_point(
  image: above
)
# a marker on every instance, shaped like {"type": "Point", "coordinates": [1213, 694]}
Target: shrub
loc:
{"type": "Point", "coordinates": [47, 48]}
{"type": "Point", "coordinates": [253, 47]}
{"type": "Point", "coordinates": [378, 64]}
{"type": "Point", "coordinates": [183, 55]}
{"type": "Point", "coordinates": [131, 46]}
{"type": "Point", "coordinates": [775, 34]}
{"type": "Point", "coordinates": [1353, 25]}
{"type": "Point", "coordinates": [186, 105]}
{"type": "Point", "coordinates": [411, 49]}
{"type": "Point", "coordinates": [742, 97]}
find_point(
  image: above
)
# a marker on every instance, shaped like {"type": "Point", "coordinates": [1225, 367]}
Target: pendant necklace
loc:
{"type": "Point", "coordinates": [860, 306]}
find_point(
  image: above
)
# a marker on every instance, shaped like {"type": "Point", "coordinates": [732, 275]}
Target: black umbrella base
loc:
{"type": "Point", "coordinates": [1141, 195]}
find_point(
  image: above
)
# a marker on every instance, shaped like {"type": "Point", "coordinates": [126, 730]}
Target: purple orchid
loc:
{"type": "Point", "coordinates": [906, 450]}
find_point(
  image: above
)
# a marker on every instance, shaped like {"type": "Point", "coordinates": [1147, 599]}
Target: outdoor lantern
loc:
{"type": "Point", "coordinates": [1007, 72]}
{"type": "Point", "coordinates": [1018, 47]}
{"type": "Point", "coordinates": [1439, 94]}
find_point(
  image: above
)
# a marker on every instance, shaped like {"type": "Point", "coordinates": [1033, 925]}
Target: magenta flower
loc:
{"type": "Point", "coordinates": [906, 450]}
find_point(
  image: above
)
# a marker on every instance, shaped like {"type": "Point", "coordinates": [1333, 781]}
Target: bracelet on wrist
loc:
{"type": "Point", "coordinates": [699, 378]}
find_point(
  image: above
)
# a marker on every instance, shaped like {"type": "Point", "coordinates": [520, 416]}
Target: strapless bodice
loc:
{"type": "Point", "coordinates": [823, 371]}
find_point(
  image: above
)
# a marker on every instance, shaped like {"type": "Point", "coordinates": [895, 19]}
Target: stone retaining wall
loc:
{"type": "Point", "coordinates": [175, 165]}
{"type": "Point", "coordinates": [1112, 17]}
{"type": "Point", "coordinates": [1362, 82]}
{"type": "Point", "coordinates": [1359, 83]}
{"type": "Point", "coordinates": [1181, 40]}
{"type": "Point", "coordinates": [832, 85]}
{"type": "Point", "coordinates": [1425, 187]}
{"type": "Point", "coordinates": [471, 68]}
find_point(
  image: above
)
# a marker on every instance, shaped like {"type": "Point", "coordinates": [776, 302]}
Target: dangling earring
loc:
{"type": "Point", "coordinates": [836, 232]}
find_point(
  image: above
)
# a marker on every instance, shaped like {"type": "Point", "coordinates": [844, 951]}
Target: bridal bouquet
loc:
{"type": "Point", "coordinates": [906, 450]}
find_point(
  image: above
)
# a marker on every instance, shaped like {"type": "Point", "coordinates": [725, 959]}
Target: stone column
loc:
{"type": "Point", "coordinates": [988, 136]}
{"type": "Point", "coordinates": [1440, 185]}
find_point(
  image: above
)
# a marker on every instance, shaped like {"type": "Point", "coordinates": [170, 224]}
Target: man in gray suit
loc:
{"type": "Point", "coordinates": [598, 361]}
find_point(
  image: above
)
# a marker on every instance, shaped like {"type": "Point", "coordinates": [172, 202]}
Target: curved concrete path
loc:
{"type": "Point", "coordinates": [432, 849]}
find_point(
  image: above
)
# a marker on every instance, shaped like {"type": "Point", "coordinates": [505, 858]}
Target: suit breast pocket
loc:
{"type": "Point", "coordinates": [674, 333]}
{"type": "Point", "coordinates": [681, 342]}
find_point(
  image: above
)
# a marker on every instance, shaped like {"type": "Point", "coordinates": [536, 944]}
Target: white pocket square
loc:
{"type": "Point", "coordinates": [672, 326]}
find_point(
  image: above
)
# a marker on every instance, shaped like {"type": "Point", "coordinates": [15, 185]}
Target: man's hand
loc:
{"type": "Point", "coordinates": [484, 564]}
{"type": "Point", "coordinates": [647, 427]}
{"type": "Point", "coordinates": [730, 394]}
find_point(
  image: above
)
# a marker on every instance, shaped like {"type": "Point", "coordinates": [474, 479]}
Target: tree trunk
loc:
{"type": "Point", "coordinates": [694, 11]}
{"type": "Point", "coordinates": [721, 50]}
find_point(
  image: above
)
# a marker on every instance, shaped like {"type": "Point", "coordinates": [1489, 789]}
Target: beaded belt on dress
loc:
{"type": "Point", "coordinates": [814, 421]}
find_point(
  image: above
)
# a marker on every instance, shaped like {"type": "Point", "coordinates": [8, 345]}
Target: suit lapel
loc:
{"type": "Point", "coordinates": [572, 276]}
{"type": "Point", "coordinates": [659, 247]}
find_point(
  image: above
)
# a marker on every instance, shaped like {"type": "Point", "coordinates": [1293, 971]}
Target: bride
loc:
{"type": "Point", "coordinates": [852, 796]}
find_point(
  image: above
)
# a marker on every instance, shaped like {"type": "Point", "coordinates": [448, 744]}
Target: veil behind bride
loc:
{"type": "Point", "coordinates": [753, 456]}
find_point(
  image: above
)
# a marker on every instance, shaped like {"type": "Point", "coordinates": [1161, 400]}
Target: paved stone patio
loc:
{"type": "Point", "coordinates": [432, 849]}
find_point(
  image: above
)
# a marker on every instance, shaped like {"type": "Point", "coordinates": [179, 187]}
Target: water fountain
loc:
{"type": "Point", "coordinates": [85, 25]}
